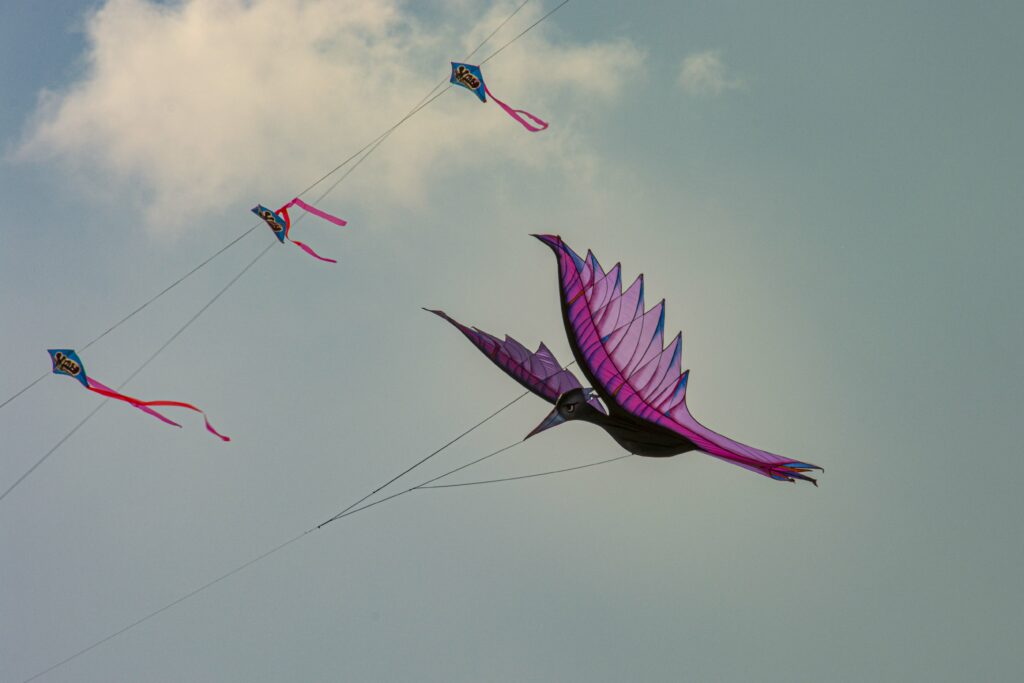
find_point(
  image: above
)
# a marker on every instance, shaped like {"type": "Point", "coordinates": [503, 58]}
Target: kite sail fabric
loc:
{"type": "Point", "coordinates": [67, 362]}
{"type": "Point", "coordinates": [538, 371]}
{"type": "Point", "coordinates": [619, 347]}
{"type": "Point", "coordinates": [280, 222]}
{"type": "Point", "coordinates": [471, 78]}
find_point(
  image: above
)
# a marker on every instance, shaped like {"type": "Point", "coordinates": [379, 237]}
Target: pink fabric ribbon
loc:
{"type": "Point", "coordinates": [104, 390]}
{"type": "Point", "coordinates": [309, 208]}
{"type": "Point", "coordinates": [534, 125]}
{"type": "Point", "coordinates": [315, 211]}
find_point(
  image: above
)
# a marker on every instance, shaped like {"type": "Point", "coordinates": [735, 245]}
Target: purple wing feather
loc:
{"type": "Point", "coordinates": [620, 348]}
{"type": "Point", "coordinates": [537, 371]}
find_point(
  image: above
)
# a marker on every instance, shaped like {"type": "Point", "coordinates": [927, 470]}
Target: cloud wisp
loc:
{"type": "Point", "coordinates": [704, 73]}
{"type": "Point", "coordinates": [205, 101]}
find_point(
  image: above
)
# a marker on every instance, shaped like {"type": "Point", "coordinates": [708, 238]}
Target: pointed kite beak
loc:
{"type": "Point", "coordinates": [550, 240]}
{"type": "Point", "coordinates": [553, 419]}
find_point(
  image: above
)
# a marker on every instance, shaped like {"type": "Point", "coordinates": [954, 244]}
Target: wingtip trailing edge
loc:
{"type": "Point", "coordinates": [444, 316]}
{"type": "Point", "coordinates": [791, 471]}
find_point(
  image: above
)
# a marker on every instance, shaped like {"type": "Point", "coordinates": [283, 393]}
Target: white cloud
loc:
{"type": "Point", "coordinates": [703, 73]}
{"type": "Point", "coordinates": [202, 102]}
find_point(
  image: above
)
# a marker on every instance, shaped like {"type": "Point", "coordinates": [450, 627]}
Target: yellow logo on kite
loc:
{"type": "Point", "coordinates": [271, 218]}
{"type": "Point", "coordinates": [466, 78]}
{"type": "Point", "coordinates": [65, 364]}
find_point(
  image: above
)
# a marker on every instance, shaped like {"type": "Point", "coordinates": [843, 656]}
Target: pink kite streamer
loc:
{"type": "Point", "coordinates": [104, 390]}
{"type": "Point", "coordinates": [93, 384]}
{"type": "Point", "coordinates": [281, 223]}
{"type": "Point", "coordinates": [537, 124]}
{"type": "Point", "coordinates": [315, 211]}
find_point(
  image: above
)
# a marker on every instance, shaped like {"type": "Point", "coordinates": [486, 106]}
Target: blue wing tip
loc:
{"type": "Point", "coordinates": [791, 471]}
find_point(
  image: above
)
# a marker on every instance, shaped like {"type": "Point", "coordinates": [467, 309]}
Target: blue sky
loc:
{"type": "Point", "coordinates": [829, 203]}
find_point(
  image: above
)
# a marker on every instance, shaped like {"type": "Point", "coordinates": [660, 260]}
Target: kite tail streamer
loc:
{"type": "Point", "coordinates": [103, 390]}
{"type": "Point", "coordinates": [306, 248]}
{"type": "Point", "coordinates": [309, 208]}
{"type": "Point", "coordinates": [537, 124]}
{"type": "Point", "coordinates": [315, 211]}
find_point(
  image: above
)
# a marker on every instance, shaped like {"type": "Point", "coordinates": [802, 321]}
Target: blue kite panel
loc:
{"type": "Point", "coordinates": [67, 362]}
{"type": "Point", "coordinates": [470, 78]}
{"type": "Point", "coordinates": [275, 222]}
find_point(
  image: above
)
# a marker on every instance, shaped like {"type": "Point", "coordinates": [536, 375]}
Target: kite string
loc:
{"type": "Point", "coordinates": [524, 32]}
{"type": "Point", "coordinates": [169, 605]}
{"type": "Point", "coordinates": [50, 452]}
{"type": "Point", "coordinates": [429, 483]}
{"type": "Point", "coordinates": [173, 285]}
{"type": "Point", "coordinates": [524, 476]}
{"type": "Point", "coordinates": [423, 460]}
{"type": "Point", "coordinates": [292, 540]}
{"type": "Point", "coordinates": [282, 546]}
{"type": "Point", "coordinates": [239, 568]}
{"type": "Point", "coordinates": [28, 386]}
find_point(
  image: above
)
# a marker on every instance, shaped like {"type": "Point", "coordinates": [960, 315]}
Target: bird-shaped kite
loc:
{"type": "Point", "coordinates": [619, 347]}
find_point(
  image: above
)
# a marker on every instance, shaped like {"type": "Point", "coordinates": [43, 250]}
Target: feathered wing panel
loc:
{"type": "Point", "coordinates": [620, 348]}
{"type": "Point", "coordinates": [538, 371]}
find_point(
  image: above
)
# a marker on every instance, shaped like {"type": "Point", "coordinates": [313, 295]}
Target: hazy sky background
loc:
{"type": "Point", "coordinates": [827, 195]}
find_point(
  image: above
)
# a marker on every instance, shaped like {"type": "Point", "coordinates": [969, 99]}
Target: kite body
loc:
{"type": "Point", "coordinates": [66, 362]}
{"type": "Point", "coordinates": [471, 78]}
{"type": "Point", "coordinates": [639, 390]}
{"type": "Point", "coordinates": [273, 220]}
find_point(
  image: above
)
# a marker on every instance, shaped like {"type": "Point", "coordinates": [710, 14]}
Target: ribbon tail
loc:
{"type": "Point", "coordinates": [534, 125]}
{"type": "Point", "coordinates": [317, 212]}
{"type": "Point", "coordinates": [189, 406]}
{"type": "Point", "coordinates": [144, 406]}
{"type": "Point", "coordinates": [306, 248]}
{"type": "Point", "coordinates": [104, 390]}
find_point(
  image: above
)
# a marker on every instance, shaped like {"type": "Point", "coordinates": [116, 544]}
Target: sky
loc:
{"type": "Point", "coordinates": [826, 195]}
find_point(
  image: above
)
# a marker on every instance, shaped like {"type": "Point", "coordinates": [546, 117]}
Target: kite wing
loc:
{"type": "Point", "coordinates": [620, 348]}
{"type": "Point", "coordinates": [538, 371]}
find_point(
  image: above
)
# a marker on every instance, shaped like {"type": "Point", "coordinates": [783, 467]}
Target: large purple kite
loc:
{"type": "Point", "coordinates": [619, 347]}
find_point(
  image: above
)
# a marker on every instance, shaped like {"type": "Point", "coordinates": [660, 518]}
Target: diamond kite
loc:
{"type": "Point", "coordinates": [471, 78]}
{"type": "Point", "coordinates": [67, 362]}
